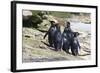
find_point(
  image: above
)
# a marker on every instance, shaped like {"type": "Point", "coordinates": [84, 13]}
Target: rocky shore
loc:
{"type": "Point", "coordinates": [35, 48]}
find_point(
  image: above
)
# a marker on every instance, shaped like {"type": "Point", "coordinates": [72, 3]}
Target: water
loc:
{"type": "Point", "coordinates": [81, 26]}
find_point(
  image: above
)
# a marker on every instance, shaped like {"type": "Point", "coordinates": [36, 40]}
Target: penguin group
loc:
{"type": "Point", "coordinates": [65, 41]}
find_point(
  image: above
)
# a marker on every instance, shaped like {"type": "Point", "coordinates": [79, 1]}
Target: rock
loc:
{"type": "Point", "coordinates": [27, 36]}
{"type": "Point", "coordinates": [27, 13]}
{"type": "Point", "coordinates": [42, 46]}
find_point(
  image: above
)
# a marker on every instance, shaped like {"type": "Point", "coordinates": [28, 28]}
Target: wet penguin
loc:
{"type": "Point", "coordinates": [51, 33]}
{"type": "Point", "coordinates": [58, 39]}
{"type": "Point", "coordinates": [67, 37]}
{"type": "Point", "coordinates": [75, 45]}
